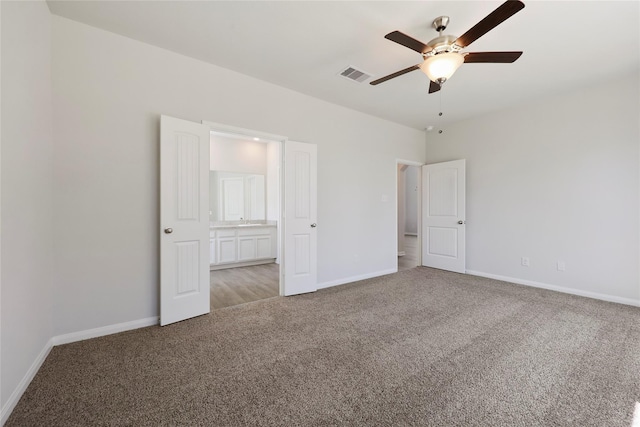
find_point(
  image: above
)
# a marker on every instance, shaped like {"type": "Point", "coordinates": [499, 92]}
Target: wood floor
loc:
{"type": "Point", "coordinates": [410, 259]}
{"type": "Point", "coordinates": [233, 286]}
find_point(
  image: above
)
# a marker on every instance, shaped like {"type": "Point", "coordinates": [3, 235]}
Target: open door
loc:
{"type": "Point", "coordinates": [443, 216]}
{"type": "Point", "coordinates": [184, 220]}
{"type": "Point", "coordinates": [300, 218]}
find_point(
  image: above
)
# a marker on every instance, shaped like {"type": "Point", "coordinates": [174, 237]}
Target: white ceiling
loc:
{"type": "Point", "coordinates": [303, 46]}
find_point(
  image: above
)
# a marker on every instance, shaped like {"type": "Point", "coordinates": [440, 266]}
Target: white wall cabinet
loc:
{"type": "Point", "coordinates": [242, 245]}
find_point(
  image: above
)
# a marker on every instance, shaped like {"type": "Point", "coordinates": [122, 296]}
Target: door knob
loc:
{"type": "Point", "coordinates": [460, 222]}
{"type": "Point", "coordinates": [314, 225]}
{"type": "Point", "coordinates": [168, 230]}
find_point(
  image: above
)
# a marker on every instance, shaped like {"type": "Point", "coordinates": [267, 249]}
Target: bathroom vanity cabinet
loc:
{"type": "Point", "coordinates": [241, 245]}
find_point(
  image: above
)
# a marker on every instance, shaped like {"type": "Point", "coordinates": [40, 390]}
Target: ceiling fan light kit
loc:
{"type": "Point", "coordinates": [443, 55]}
{"type": "Point", "coordinates": [439, 68]}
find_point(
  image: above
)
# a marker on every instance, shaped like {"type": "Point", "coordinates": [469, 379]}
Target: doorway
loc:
{"type": "Point", "coordinates": [408, 214]}
{"type": "Point", "coordinates": [244, 216]}
{"type": "Point", "coordinates": [185, 258]}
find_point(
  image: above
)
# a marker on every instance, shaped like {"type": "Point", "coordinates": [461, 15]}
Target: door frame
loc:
{"type": "Point", "coordinates": [281, 140]}
{"type": "Point", "coordinates": [419, 165]}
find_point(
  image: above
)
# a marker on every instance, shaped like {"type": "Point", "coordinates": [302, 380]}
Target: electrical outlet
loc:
{"type": "Point", "coordinates": [525, 261]}
{"type": "Point", "coordinates": [561, 266]}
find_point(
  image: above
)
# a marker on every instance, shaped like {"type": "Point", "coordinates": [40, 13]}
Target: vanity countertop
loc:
{"type": "Point", "coordinates": [228, 226]}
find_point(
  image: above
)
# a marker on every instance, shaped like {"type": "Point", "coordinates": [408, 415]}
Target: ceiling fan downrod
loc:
{"type": "Point", "coordinates": [440, 23]}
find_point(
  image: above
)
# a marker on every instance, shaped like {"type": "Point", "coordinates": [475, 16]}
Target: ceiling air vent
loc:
{"type": "Point", "coordinates": [354, 74]}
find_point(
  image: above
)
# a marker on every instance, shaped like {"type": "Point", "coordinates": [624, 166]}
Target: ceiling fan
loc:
{"type": "Point", "coordinates": [443, 55]}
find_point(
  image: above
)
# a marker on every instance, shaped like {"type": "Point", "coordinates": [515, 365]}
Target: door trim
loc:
{"type": "Point", "coordinates": [249, 133]}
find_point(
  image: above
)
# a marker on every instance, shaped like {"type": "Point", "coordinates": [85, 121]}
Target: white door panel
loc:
{"type": "Point", "coordinates": [184, 219]}
{"type": "Point", "coordinates": [300, 217]}
{"type": "Point", "coordinates": [443, 216]}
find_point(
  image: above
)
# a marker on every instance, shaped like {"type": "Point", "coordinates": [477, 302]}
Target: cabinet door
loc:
{"type": "Point", "coordinates": [263, 247]}
{"type": "Point", "coordinates": [232, 198]}
{"type": "Point", "coordinates": [212, 250]}
{"type": "Point", "coordinates": [246, 248]}
{"type": "Point", "coordinates": [226, 249]}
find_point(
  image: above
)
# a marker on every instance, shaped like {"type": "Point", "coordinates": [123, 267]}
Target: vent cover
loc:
{"type": "Point", "coordinates": [353, 74]}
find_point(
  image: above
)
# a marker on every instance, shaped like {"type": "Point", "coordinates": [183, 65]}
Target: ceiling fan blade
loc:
{"type": "Point", "coordinates": [396, 74]}
{"type": "Point", "coordinates": [495, 18]}
{"type": "Point", "coordinates": [406, 41]}
{"type": "Point", "coordinates": [491, 57]}
{"type": "Point", "coordinates": [434, 87]}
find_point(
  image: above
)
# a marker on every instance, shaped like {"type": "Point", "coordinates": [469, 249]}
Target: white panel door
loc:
{"type": "Point", "coordinates": [300, 217]}
{"type": "Point", "coordinates": [184, 220]}
{"type": "Point", "coordinates": [443, 216]}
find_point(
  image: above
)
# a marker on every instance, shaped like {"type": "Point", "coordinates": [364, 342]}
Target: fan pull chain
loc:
{"type": "Point", "coordinates": [440, 108]}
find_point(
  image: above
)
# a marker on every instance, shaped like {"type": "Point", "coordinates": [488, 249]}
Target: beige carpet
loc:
{"type": "Point", "coordinates": [421, 347]}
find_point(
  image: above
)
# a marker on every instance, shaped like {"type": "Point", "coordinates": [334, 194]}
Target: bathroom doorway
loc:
{"type": "Point", "coordinates": [408, 214]}
{"type": "Point", "coordinates": [244, 218]}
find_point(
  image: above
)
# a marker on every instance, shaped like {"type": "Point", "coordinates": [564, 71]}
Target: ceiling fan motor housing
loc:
{"type": "Point", "coordinates": [442, 44]}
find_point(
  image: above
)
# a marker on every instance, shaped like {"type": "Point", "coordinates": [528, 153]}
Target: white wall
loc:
{"type": "Point", "coordinates": [555, 181]}
{"type": "Point", "coordinates": [27, 239]}
{"type": "Point", "coordinates": [234, 155]}
{"type": "Point", "coordinates": [108, 94]}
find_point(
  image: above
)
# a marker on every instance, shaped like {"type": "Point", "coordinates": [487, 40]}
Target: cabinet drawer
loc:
{"type": "Point", "coordinates": [254, 231]}
{"type": "Point", "coordinates": [226, 233]}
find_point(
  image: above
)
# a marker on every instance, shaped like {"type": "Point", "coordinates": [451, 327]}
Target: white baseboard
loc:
{"type": "Point", "coordinates": [356, 278]}
{"type": "Point", "coordinates": [66, 339]}
{"type": "Point", "coordinates": [104, 330]}
{"type": "Point", "coordinates": [588, 294]}
{"type": "Point", "coordinates": [24, 383]}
